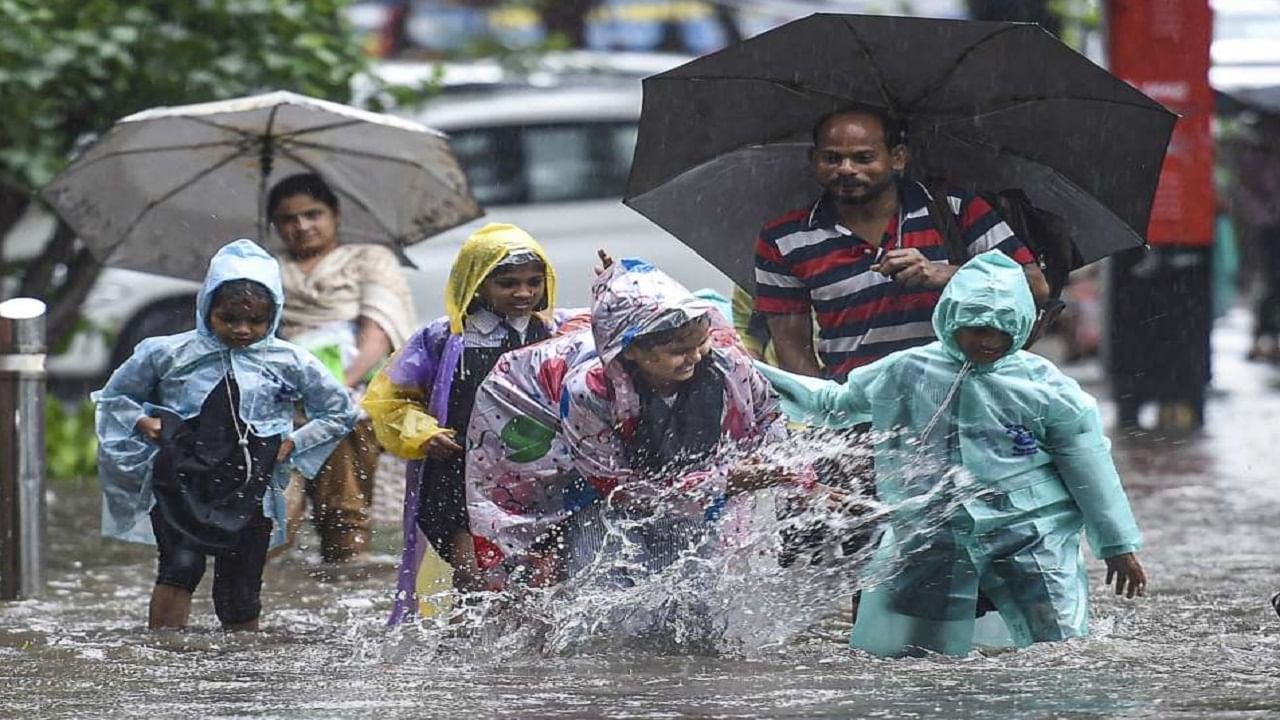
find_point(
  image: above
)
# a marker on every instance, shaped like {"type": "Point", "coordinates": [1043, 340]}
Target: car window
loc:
{"type": "Point", "coordinates": [490, 159]}
{"type": "Point", "coordinates": [558, 163]}
{"type": "Point", "coordinates": [530, 164]}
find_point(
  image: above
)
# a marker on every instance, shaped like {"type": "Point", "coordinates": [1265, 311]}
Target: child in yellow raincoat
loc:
{"type": "Point", "coordinates": [499, 297]}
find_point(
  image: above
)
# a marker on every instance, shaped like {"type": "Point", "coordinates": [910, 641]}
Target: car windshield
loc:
{"type": "Point", "coordinates": [529, 164]}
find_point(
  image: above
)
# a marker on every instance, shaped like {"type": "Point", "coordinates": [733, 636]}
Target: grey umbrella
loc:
{"type": "Point", "coordinates": [724, 139]}
{"type": "Point", "coordinates": [165, 188]}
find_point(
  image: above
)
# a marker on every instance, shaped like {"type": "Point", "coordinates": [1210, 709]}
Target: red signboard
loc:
{"type": "Point", "coordinates": [1161, 47]}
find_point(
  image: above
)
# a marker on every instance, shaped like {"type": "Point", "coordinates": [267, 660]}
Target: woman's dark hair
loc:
{"type": "Point", "coordinates": [241, 290]}
{"type": "Point", "coordinates": [650, 341]}
{"type": "Point", "coordinates": [895, 128]}
{"type": "Point", "coordinates": [301, 184]}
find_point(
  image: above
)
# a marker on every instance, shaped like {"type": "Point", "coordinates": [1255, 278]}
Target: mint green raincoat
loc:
{"type": "Point", "coordinates": [1031, 442]}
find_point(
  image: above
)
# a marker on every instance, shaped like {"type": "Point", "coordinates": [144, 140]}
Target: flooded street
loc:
{"type": "Point", "coordinates": [1204, 643]}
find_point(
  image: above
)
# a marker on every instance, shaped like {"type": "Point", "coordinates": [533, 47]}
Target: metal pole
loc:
{"type": "Point", "coordinates": [22, 507]}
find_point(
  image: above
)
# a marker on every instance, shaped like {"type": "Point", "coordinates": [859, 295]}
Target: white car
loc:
{"type": "Point", "coordinates": [553, 161]}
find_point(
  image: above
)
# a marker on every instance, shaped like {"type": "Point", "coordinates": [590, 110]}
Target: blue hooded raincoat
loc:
{"type": "Point", "coordinates": [177, 373]}
{"type": "Point", "coordinates": [1031, 442]}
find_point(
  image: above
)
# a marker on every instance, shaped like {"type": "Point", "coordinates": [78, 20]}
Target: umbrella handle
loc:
{"type": "Point", "coordinates": [266, 161]}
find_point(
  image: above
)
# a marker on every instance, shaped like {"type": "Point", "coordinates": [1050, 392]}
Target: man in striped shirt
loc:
{"type": "Point", "coordinates": [866, 259]}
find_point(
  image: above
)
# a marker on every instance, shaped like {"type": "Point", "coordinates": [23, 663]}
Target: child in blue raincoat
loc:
{"type": "Point", "coordinates": [1036, 469]}
{"type": "Point", "coordinates": [196, 433]}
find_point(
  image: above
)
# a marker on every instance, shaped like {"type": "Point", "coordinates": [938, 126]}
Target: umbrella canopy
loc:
{"type": "Point", "coordinates": [724, 139]}
{"type": "Point", "coordinates": [1260, 99]}
{"type": "Point", "coordinates": [165, 188]}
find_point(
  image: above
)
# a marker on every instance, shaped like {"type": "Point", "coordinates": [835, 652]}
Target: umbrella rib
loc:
{"type": "Point", "coordinates": [246, 134]}
{"type": "Point", "coordinates": [143, 151]}
{"type": "Point", "coordinates": [801, 89]}
{"type": "Point", "coordinates": [179, 188]}
{"type": "Point", "coordinates": [1024, 101]}
{"type": "Point", "coordinates": [1028, 158]}
{"type": "Point", "coordinates": [346, 122]}
{"type": "Point", "coordinates": [875, 69]}
{"type": "Point", "coordinates": [372, 156]}
{"type": "Point", "coordinates": [363, 206]}
{"type": "Point", "coordinates": [322, 128]}
{"type": "Point", "coordinates": [960, 61]}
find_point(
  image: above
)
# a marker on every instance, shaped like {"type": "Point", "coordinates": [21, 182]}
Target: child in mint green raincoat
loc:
{"type": "Point", "coordinates": [1031, 444]}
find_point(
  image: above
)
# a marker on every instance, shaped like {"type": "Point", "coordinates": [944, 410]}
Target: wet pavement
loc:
{"type": "Point", "coordinates": [1204, 643]}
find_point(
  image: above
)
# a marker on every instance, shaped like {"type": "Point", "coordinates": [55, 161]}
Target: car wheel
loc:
{"type": "Point", "coordinates": [165, 317]}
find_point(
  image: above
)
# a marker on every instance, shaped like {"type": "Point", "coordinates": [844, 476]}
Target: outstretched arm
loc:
{"type": "Point", "coordinates": [825, 403]}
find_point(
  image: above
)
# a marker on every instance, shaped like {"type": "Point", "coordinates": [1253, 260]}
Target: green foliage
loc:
{"type": "Point", "coordinates": [70, 68]}
{"type": "Point", "coordinates": [71, 445]}
{"type": "Point", "coordinates": [1080, 19]}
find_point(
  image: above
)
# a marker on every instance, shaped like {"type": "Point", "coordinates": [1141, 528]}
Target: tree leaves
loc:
{"type": "Point", "coordinates": [70, 68]}
{"type": "Point", "coordinates": [73, 67]}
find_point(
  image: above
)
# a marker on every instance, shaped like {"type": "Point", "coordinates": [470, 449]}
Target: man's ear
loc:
{"type": "Point", "coordinates": [900, 155]}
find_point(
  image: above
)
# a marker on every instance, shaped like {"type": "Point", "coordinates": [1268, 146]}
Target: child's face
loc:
{"type": "Point", "coordinates": [241, 320]}
{"type": "Point", "coordinates": [515, 291]}
{"type": "Point", "coordinates": [983, 344]}
{"type": "Point", "coordinates": [664, 366]}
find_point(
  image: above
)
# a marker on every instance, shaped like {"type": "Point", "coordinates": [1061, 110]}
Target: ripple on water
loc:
{"type": "Point", "coordinates": [1204, 644]}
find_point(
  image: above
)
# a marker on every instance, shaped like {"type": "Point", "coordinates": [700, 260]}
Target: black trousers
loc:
{"type": "Point", "coordinates": [237, 571]}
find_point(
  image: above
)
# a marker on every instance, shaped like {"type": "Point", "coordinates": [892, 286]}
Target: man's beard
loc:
{"type": "Point", "coordinates": [873, 192]}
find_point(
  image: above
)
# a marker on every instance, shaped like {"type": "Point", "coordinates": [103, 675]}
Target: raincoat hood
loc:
{"type": "Point", "coordinates": [988, 291]}
{"type": "Point", "coordinates": [176, 373]}
{"type": "Point", "coordinates": [480, 254]}
{"type": "Point", "coordinates": [240, 260]}
{"type": "Point", "coordinates": [633, 298]}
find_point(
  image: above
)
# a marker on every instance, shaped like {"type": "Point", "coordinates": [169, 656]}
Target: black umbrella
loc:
{"type": "Point", "coordinates": [1264, 100]}
{"type": "Point", "coordinates": [724, 139]}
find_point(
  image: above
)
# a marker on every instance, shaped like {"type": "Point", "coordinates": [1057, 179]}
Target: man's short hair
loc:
{"type": "Point", "coordinates": [895, 128]}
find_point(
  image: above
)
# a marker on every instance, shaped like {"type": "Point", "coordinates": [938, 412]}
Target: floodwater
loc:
{"type": "Point", "coordinates": [1204, 643]}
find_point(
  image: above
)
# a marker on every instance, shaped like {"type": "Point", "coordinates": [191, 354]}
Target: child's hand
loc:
{"type": "Point", "coordinates": [149, 426]}
{"type": "Point", "coordinates": [847, 502]}
{"type": "Point", "coordinates": [606, 261]}
{"type": "Point", "coordinates": [441, 446]}
{"type": "Point", "coordinates": [1128, 573]}
{"type": "Point", "coordinates": [286, 449]}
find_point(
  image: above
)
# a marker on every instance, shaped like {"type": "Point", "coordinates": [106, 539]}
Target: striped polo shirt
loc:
{"type": "Point", "coordinates": [807, 261]}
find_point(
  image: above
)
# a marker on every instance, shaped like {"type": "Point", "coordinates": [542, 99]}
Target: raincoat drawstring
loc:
{"type": "Point", "coordinates": [243, 437]}
{"type": "Point", "coordinates": [946, 403]}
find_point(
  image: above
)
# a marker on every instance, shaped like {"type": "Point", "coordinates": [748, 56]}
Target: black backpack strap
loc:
{"type": "Point", "coordinates": [946, 222]}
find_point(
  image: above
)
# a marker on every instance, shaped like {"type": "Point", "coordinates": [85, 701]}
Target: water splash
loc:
{"type": "Point", "coordinates": [769, 572]}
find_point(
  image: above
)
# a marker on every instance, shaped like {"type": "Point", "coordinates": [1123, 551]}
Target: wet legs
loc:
{"type": "Point", "coordinates": [170, 608]}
